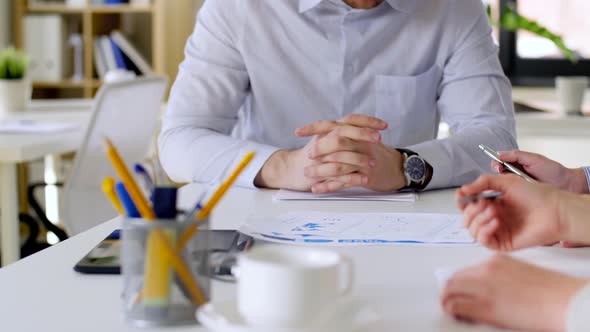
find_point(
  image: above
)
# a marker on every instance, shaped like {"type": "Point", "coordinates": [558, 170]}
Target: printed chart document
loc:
{"type": "Point", "coordinates": [359, 228]}
{"type": "Point", "coordinates": [351, 194]}
{"type": "Point", "coordinates": [35, 127]}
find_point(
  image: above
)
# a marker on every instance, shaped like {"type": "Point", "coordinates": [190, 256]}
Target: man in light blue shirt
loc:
{"type": "Point", "coordinates": [257, 71]}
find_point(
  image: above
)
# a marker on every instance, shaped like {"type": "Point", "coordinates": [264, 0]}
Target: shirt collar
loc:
{"type": "Point", "coordinates": [404, 6]}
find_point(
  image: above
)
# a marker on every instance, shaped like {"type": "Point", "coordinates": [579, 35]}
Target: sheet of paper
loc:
{"type": "Point", "coordinates": [351, 194]}
{"type": "Point", "coordinates": [35, 127]}
{"type": "Point", "coordinates": [359, 228]}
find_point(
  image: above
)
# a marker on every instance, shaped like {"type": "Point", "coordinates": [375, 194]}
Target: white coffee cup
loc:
{"type": "Point", "coordinates": [283, 286]}
{"type": "Point", "coordinates": [570, 93]}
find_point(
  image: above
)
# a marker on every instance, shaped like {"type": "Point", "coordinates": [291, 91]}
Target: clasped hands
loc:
{"type": "Point", "coordinates": [342, 154]}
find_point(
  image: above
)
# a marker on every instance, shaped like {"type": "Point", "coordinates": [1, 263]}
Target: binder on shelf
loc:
{"type": "Point", "coordinates": [131, 53]}
{"type": "Point", "coordinates": [99, 61]}
{"type": "Point", "coordinates": [45, 43]}
{"type": "Point", "coordinates": [108, 53]}
{"type": "Point", "coordinates": [119, 58]}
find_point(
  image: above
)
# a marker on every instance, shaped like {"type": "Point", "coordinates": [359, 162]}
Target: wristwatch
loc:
{"type": "Point", "coordinates": [416, 170]}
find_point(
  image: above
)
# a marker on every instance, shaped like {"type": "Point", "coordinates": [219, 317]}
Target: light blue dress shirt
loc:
{"type": "Point", "coordinates": [255, 70]}
{"type": "Point", "coordinates": [587, 172]}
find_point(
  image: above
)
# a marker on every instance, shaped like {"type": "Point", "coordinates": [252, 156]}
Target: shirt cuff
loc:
{"type": "Point", "coordinates": [578, 318]}
{"type": "Point", "coordinates": [587, 172]}
{"type": "Point", "coordinates": [262, 153]}
{"type": "Point", "coordinates": [442, 175]}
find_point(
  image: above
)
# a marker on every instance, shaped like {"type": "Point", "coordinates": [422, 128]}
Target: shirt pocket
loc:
{"type": "Point", "coordinates": [409, 105]}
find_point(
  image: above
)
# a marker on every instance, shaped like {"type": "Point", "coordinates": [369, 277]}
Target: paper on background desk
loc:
{"type": "Point", "coordinates": [350, 194]}
{"type": "Point", "coordinates": [35, 127]}
{"type": "Point", "coordinates": [333, 228]}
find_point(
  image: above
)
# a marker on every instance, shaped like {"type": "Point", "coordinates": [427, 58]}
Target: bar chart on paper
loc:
{"type": "Point", "coordinates": [359, 228]}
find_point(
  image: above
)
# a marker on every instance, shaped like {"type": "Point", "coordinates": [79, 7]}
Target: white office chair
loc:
{"type": "Point", "coordinates": [128, 113]}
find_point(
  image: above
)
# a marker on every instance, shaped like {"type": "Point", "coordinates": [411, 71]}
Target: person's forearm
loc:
{"type": "Point", "coordinates": [578, 183]}
{"type": "Point", "coordinates": [191, 154]}
{"type": "Point", "coordinates": [574, 210]}
{"type": "Point", "coordinates": [457, 160]}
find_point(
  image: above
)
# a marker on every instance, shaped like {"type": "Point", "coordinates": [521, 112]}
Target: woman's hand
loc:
{"type": "Point", "coordinates": [508, 293]}
{"type": "Point", "coordinates": [528, 214]}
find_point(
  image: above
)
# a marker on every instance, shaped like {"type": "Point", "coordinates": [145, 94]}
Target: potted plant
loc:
{"type": "Point", "coordinates": [15, 88]}
{"type": "Point", "coordinates": [571, 89]}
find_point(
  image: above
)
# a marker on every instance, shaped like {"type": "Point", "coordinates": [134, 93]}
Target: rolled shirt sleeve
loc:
{"type": "Point", "coordinates": [475, 99]}
{"type": "Point", "coordinates": [578, 316]}
{"type": "Point", "coordinates": [587, 172]}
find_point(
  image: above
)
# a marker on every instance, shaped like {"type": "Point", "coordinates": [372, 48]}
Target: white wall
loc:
{"type": "Point", "coordinates": [5, 23]}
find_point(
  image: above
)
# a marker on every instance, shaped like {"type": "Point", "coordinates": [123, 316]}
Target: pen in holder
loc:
{"type": "Point", "coordinates": [162, 283]}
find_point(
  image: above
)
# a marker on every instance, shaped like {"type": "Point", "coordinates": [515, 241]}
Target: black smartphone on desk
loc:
{"type": "Point", "coordinates": [104, 258]}
{"type": "Point", "coordinates": [224, 245]}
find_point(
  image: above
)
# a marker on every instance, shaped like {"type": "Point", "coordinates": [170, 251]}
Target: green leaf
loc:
{"type": "Point", "coordinates": [3, 69]}
{"type": "Point", "coordinates": [512, 21]}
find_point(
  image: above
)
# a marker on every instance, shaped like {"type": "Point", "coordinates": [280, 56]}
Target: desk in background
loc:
{"type": "Point", "coordinates": [397, 281]}
{"type": "Point", "coordinates": [562, 138]}
{"type": "Point", "coordinates": [18, 148]}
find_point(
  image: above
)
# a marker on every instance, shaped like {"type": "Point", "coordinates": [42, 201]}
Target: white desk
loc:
{"type": "Point", "coordinates": [17, 148]}
{"type": "Point", "coordinates": [562, 138]}
{"type": "Point", "coordinates": [42, 292]}
{"type": "Point", "coordinates": [544, 98]}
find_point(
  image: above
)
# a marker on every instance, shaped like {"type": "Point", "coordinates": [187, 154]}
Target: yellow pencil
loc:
{"type": "Point", "coordinates": [223, 188]}
{"type": "Point", "coordinates": [204, 213]}
{"type": "Point", "coordinates": [140, 201]}
{"type": "Point", "coordinates": [157, 284]}
{"type": "Point", "coordinates": [108, 187]}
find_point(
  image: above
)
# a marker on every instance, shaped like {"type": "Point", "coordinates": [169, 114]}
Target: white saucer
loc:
{"type": "Point", "coordinates": [348, 316]}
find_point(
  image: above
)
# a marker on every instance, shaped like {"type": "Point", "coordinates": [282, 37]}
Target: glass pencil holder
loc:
{"type": "Point", "coordinates": [165, 268]}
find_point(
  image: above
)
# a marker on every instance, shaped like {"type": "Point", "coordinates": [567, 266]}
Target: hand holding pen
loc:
{"type": "Point", "coordinates": [522, 214]}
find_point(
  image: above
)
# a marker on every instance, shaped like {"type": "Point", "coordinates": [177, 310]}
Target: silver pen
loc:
{"type": "Point", "coordinates": [491, 195]}
{"type": "Point", "coordinates": [494, 155]}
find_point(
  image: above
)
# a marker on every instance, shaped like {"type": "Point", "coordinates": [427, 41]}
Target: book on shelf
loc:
{"type": "Point", "coordinates": [116, 52]}
{"type": "Point", "coordinates": [119, 58]}
{"type": "Point", "coordinates": [108, 53]}
{"type": "Point", "coordinates": [131, 53]}
{"type": "Point", "coordinates": [99, 60]}
{"type": "Point", "coordinates": [109, 2]}
{"type": "Point", "coordinates": [76, 3]}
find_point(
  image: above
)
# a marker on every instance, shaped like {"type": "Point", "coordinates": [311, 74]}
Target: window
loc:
{"type": "Point", "coordinates": [532, 60]}
{"type": "Point", "coordinates": [567, 18]}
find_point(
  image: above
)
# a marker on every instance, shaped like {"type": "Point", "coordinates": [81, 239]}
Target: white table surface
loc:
{"type": "Point", "coordinates": [17, 148]}
{"type": "Point", "coordinates": [550, 123]}
{"type": "Point", "coordinates": [43, 293]}
{"type": "Point", "coordinates": [545, 98]}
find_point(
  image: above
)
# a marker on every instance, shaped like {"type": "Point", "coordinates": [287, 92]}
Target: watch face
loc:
{"type": "Point", "coordinates": [415, 168]}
